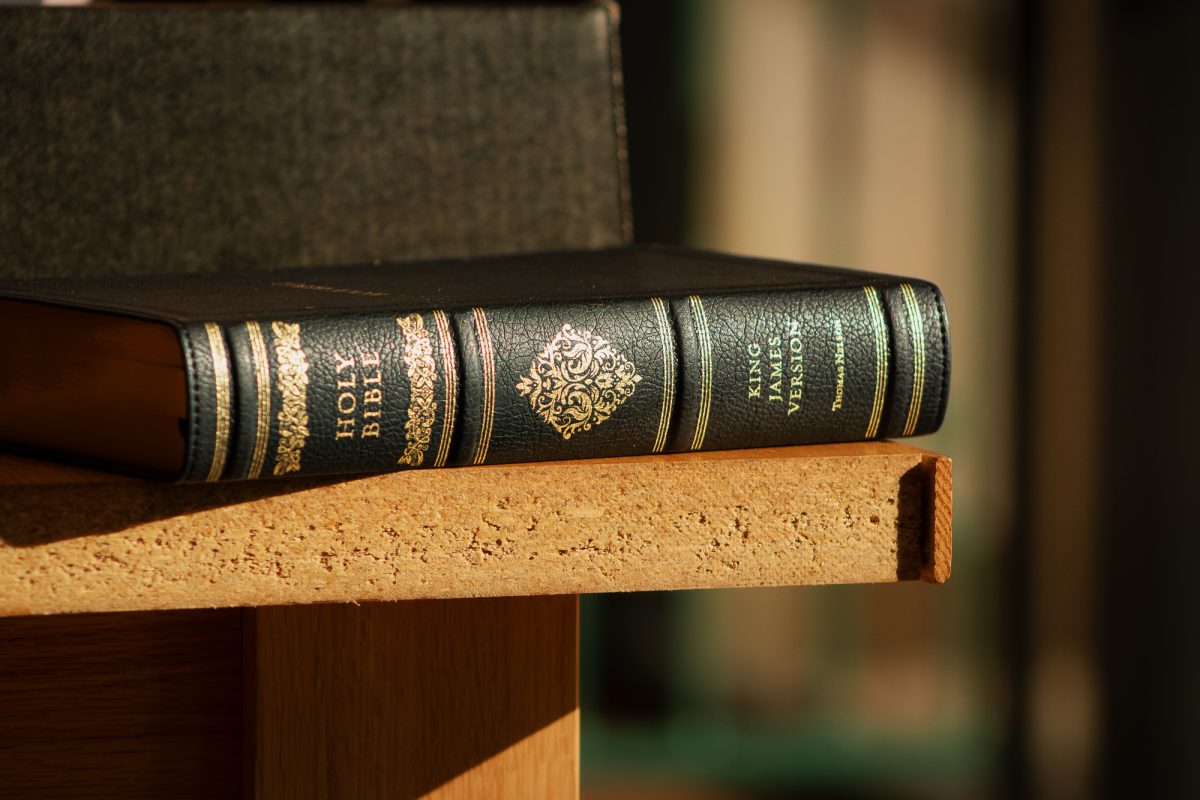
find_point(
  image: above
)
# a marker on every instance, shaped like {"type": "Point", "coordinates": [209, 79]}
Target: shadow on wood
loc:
{"type": "Point", "coordinates": [910, 516]}
{"type": "Point", "coordinates": [43, 503]}
{"type": "Point", "coordinates": [924, 503]}
{"type": "Point", "coordinates": [471, 698]}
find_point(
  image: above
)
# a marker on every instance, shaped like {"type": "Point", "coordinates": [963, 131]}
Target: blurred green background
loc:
{"type": "Point", "coordinates": [1037, 161]}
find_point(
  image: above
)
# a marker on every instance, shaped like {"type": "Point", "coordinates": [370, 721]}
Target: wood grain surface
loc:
{"type": "Point", "coordinates": [939, 504]}
{"type": "Point", "coordinates": [72, 540]}
{"type": "Point", "coordinates": [135, 705]}
{"type": "Point", "coordinates": [440, 698]}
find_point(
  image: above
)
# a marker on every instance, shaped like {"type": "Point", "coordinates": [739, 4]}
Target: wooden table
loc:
{"type": "Point", "coordinates": [303, 678]}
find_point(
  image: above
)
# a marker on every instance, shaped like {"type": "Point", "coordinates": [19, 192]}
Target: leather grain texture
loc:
{"type": "Point", "coordinates": [580, 380]}
{"type": "Point", "coordinates": [546, 356]}
{"type": "Point", "coordinates": [201, 455]}
{"type": "Point", "coordinates": [144, 140]}
{"type": "Point", "coordinates": [792, 367]}
{"type": "Point", "coordinates": [920, 341]}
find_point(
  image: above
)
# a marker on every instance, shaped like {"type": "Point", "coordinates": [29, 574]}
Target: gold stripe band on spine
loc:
{"type": "Point", "coordinates": [487, 355]}
{"type": "Point", "coordinates": [292, 364]}
{"type": "Point", "coordinates": [879, 328]}
{"type": "Point", "coordinates": [917, 329]}
{"type": "Point", "coordinates": [706, 370]}
{"type": "Point", "coordinates": [667, 335]}
{"type": "Point", "coordinates": [262, 386]}
{"type": "Point", "coordinates": [450, 386]}
{"type": "Point", "coordinates": [224, 399]}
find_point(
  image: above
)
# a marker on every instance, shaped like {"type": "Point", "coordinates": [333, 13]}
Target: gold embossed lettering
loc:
{"type": "Point", "coordinates": [365, 403]}
{"type": "Point", "coordinates": [754, 370]}
{"type": "Point", "coordinates": [372, 407]}
{"type": "Point", "coordinates": [795, 367]}
{"type": "Point", "coordinates": [775, 362]}
{"type": "Point", "coordinates": [371, 361]}
{"type": "Point", "coordinates": [345, 422]}
{"type": "Point", "coordinates": [839, 362]}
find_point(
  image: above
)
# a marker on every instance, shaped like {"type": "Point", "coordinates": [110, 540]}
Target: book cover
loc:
{"type": "Point", "coordinates": [363, 368]}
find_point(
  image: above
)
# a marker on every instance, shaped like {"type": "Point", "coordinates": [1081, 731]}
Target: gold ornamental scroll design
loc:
{"type": "Point", "coordinates": [422, 372]}
{"type": "Point", "coordinates": [577, 381]}
{"type": "Point", "coordinates": [293, 390]}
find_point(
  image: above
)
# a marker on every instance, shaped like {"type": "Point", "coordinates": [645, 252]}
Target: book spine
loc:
{"type": "Point", "coordinates": [920, 347]}
{"type": "Point", "coordinates": [210, 402]}
{"type": "Point", "coordinates": [566, 381]}
{"type": "Point", "coordinates": [702, 373]}
{"type": "Point", "coordinates": [369, 393]}
{"type": "Point", "coordinates": [822, 365]}
{"type": "Point", "coordinates": [342, 394]}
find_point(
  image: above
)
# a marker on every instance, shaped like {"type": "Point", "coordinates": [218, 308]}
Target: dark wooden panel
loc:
{"type": "Point", "coordinates": [121, 705]}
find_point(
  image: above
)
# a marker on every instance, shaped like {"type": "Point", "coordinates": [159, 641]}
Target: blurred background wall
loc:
{"type": "Point", "coordinates": [1038, 162]}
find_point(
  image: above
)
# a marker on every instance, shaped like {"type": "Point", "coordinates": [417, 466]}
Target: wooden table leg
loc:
{"type": "Point", "coordinates": [454, 698]}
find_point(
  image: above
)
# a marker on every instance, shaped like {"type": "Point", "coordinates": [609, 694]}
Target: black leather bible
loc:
{"type": "Point", "coordinates": [355, 369]}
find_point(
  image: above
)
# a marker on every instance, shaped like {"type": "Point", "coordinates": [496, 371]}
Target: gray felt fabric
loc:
{"type": "Point", "coordinates": [190, 140]}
